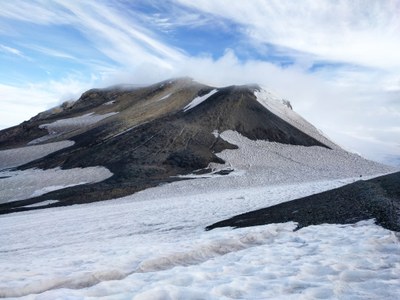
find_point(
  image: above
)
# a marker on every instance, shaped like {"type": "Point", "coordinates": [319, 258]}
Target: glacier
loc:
{"type": "Point", "coordinates": [152, 244]}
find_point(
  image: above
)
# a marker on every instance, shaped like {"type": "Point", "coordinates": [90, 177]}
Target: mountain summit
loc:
{"type": "Point", "coordinates": [116, 141]}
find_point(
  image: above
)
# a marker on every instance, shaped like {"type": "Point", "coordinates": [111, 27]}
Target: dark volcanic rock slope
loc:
{"type": "Point", "coordinates": [378, 199]}
{"type": "Point", "coordinates": [147, 136]}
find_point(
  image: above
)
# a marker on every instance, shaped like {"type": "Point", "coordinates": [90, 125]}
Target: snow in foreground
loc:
{"type": "Point", "coordinates": [152, 245]}
{"type": "Point", "coordinates": [158, 249]}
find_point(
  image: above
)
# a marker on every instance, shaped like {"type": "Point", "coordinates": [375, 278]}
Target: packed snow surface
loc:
{"type": "Point", "coordinates": [19, 156]}
{"type": "Point", "coordinates": [280, 107]}
{"type": "Point", "coordinates": [152, 245]}
{"type": "Point", "coordinates": [196, 101]}
{"type": "Point", "coordinates": [19, 185]}
{"type": "Point", "coordinates": [157, 248]}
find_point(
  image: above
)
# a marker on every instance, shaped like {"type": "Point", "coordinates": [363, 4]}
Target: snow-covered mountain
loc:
{"type": "Point", "coordinates": [113, 142]}
{"type": "Point", "coordinates": [177, 157]}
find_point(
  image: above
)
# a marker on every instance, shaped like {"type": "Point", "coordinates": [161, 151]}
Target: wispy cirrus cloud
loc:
{"type": "Point", "coordinates": [32, 11]}
{"type": "Point", "coordinates": [13, 51]}
{"type": "Point", "coordinates": [122, 40]}
{"type": "Point", "coordinates": [51, 52]}
{"type": "Point", "coordinates": [356, 32]}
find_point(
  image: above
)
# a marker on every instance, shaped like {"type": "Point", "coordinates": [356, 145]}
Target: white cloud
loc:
{"type": "Point", "coordinates": [20, 103]}
{"type": "Point", "coordinates": [120, 39]}
{"type": "Point", "coordinates": [171, 16]}
{"type": "Point", "coordinates": [31, 11]}
{"type": "Point", "coordinates": [358, 32]}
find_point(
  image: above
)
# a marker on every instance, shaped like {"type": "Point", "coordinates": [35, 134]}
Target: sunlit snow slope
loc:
{"type": "Point", "coordinates": [284, 110]}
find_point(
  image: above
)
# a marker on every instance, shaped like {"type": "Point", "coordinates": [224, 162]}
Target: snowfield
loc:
{"type": "Point", "coordinates": [62, 126]}
{"type": "Point", "coordinates": [70, 124]}
{"type": "Point", "coordinates": [152, 245]}
{"type": "Point", "coordinates": [158, 249]}
{"type": "Point", "coordinates": [19, 156]}
{"type": "Point", "coordinates": [19, 185]}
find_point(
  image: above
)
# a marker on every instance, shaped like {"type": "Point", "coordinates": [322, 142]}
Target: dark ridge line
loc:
{"type": "Point", "coordinates": [377, 198]}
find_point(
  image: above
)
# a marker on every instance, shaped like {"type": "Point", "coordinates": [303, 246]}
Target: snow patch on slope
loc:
{"type": "Point", "coordinates": [275, 163]}
{"type": "Point", "coordinates": [43, 203]}
{"type": "Point", "coordinates": [110, 102]}
{"type": "Point", "coordinates": [20, 156]}
{"type": "Point", "coordinates": [196, 101]}
{"type": "Point", "coordinates": [70, 124]}
{"type": "Point", "coordinates": [165, 97]}
{"type": "Point", "coordinates": [283, 109]}
{"type": "Point", "coordinates": [64, 125]}
{"type": "Point", "coordinates": [19, 185]}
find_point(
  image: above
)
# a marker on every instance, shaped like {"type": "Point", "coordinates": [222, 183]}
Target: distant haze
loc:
{"type": "Point", "coordinates": [336, 61]}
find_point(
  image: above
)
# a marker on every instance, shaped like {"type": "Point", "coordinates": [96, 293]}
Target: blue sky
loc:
{"type": "Point", "coordinates": [336, 61]}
